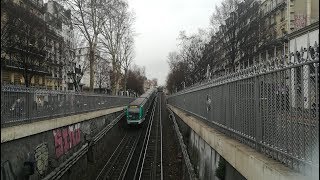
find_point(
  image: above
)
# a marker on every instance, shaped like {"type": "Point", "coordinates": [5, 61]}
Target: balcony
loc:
{"type": "Point", "coordinates": [27, 50]}
{"type": "Point", "coordinates": [20, 66]}
{"type": "Point", "coordinates": [78, 71]}
{"type": "Point", "coordinates": [11, 64]}
{"type": "Point", "coordinates": [38, 4]}
{"type": "Point", "coordinates": [280, 3]}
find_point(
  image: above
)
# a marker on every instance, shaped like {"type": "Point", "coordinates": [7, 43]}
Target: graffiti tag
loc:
{"type": "Point", "coordinates": [300, 21]}
{"type": "Point", "coordinates": [66, 138]}
{"type": "Point", "coordinates": [41, 157]}
{"type": "Point", "coordinates": [6, 171]}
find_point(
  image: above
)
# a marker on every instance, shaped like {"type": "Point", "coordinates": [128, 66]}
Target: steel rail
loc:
{"type": "Point", "coordinates": [145, 139]}
{"type": "Point", "coordinates": [126, 166]}
{"type": "Point", "coordinates": [113, 154]}
{"type": "Point", "coordinates": [152, 157]}
{"type": "Point", "coordinates": [161, 138]}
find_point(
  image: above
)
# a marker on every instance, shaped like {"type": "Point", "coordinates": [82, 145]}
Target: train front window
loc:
{"type": "Point", "coordinates": [134, 116]}
{"type": "Point", "coordinates": [133, 113]}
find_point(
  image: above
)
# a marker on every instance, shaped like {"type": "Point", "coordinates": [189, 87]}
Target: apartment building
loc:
{"type": "Point", "coordinates": [23, 54]}
{"type": "Point", "coordinates": [37, 44]}
{"type": "Point", "coordinates": [60, 45]}
{"type": "Point", "coordinates": [102, 68]}
{"type": "Point", "coordinates": [282, 18]}
{"type": "Point", "coordinates": [250, 35]}
{"type": "Point", "coordinates": [236, 40]}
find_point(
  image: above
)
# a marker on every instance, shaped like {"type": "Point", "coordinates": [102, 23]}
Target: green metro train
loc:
{"type": "Point", "coordinates": [137, 109]}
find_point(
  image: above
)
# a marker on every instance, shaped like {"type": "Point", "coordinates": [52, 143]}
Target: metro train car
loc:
{"type": "Point", "coordinates": [137, 110]}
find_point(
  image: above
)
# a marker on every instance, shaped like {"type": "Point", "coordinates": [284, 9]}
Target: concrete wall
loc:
{"type": "Point", "coordinates": [204, 158]}
{"type": "Point", "coordinates": [247, 161]}
{"type": "Point", "coordinates": [40, 152]}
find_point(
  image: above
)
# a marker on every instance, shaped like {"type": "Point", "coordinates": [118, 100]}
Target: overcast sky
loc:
{"type": "Point", "coordinates": [158, 23]}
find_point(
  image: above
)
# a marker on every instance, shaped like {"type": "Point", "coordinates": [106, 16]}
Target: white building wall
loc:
{"type": "Point", "coordinates": [84, 55]}
{"type": "Point", "coordinates": [300, 42]}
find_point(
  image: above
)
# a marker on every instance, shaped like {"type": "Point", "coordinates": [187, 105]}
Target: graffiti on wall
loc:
{"type": "Point", "coordinates": [300, 21]}
{"type": "Point", "coordinates": [66, 138]}
{"type": "Point", "coordinates": [6, 171]}
{"type": "Point", "coordinates": [41, 156]}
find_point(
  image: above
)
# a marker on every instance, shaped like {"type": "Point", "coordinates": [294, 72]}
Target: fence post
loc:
{"type": "Point", "coordinates": [257, 114]}
{"type": "Point", "coordinates": [29, 103]}
{"type": "Point", "coordinates": [228, 110]}
{"type": "Point", "coordinates": [65, 103]}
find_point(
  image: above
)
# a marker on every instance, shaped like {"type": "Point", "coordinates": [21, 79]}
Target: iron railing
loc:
{"type": "Point", "coordinates": [272, 107]}
{"type": "Point", "coordinates": [22, 104]}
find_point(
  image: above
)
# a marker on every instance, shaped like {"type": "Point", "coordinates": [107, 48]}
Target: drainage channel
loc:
{"type": "Point", "coordinates": [187, 161]}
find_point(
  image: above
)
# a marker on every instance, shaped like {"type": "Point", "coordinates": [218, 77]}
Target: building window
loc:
{"type": "Point", "coordinates": [22, 80]}
{"type": "Point", "coordinates": [282, 15]}
{"type": "Point", "coordinates": [11, 77]}
{"type": "Point", "coordinates": [272, 20]}
{"type": "Point", "coordinates": [33, 80]}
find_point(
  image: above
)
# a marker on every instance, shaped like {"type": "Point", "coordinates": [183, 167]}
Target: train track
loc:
{"type": "Point", "coordinates": [117, 165]}
{"type": "Point", "coordinates": [150, 159]}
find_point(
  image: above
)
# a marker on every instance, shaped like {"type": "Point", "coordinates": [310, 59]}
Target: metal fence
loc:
{"type": "Point", "coordinates": [22, 104]}
{"type": "Point", "coordinates": [272, 107]}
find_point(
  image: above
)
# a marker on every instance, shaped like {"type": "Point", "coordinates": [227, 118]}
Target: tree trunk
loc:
{"type": "Point", "coordinates": [114, 78]}
{"type": "Point", "coordinates": [26, 81]}
{"type": "Point", "coordinates": [100, 83]}
{"type": "Point", "coordinates": [27, 78]}
{"type": "Point", "coordinates": [91, 59]}
{"type": "Point", "coordinates": [118, 81]}
{"type": "Point", "coordinates": [125, 79]}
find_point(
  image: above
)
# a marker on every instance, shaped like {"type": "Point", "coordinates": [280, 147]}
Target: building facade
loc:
{"type": "Point", "coordinates": [36, 44]}
{"type": "Point", "coordinates": [23, 36]}
{"type": "Point", "coordinates": [283, 17]}
{"type": "Point", "coordinates": [60, 46]}
{"type": "Point", "coordinates": [252, 35]}
{"type": "Point", "coordinates": [235, 43]}
{"type": "Point", "coordinates": [102, 82]}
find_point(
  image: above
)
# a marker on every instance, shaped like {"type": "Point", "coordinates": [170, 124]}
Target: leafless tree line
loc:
{"type": "Point", "coordinates": [186, 63]}
{"type": "Point", "coordinates": [102, 25]}
{"type": "Point", "coordinates": [107, 26]}
{"type": "Point", "coordinates": [237, 27]}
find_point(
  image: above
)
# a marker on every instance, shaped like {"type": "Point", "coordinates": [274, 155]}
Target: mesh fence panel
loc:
{"type": "Point", "coordinates": [273, 108]}
{"type": "Point", "coordinates": [21, 104]}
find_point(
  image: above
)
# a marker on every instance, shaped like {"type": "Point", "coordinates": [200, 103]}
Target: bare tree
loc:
{"type": "Point", "coordinates": [116, 31]}
{"type": "Point", "coordinates": [76, 66]}
{"type": "Point", "coordinates": [222, 13]}
{"type": "Point", "coordinates": [178, 72]}
{"type": "Point", "coordinates": [102, 74]}
{"type": "Point", "coordinates": [238, 22]}
{"type": "Point", "coordinates": [88, 16]}
{"type": "Point", "coordinates": [23, 40]}
{"type": "Point", "coordinates": [126, 55]}
{"type": "Point", "coordinates": [191, 52]}
{"type": "Point", "coordinates": [136, 78]}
